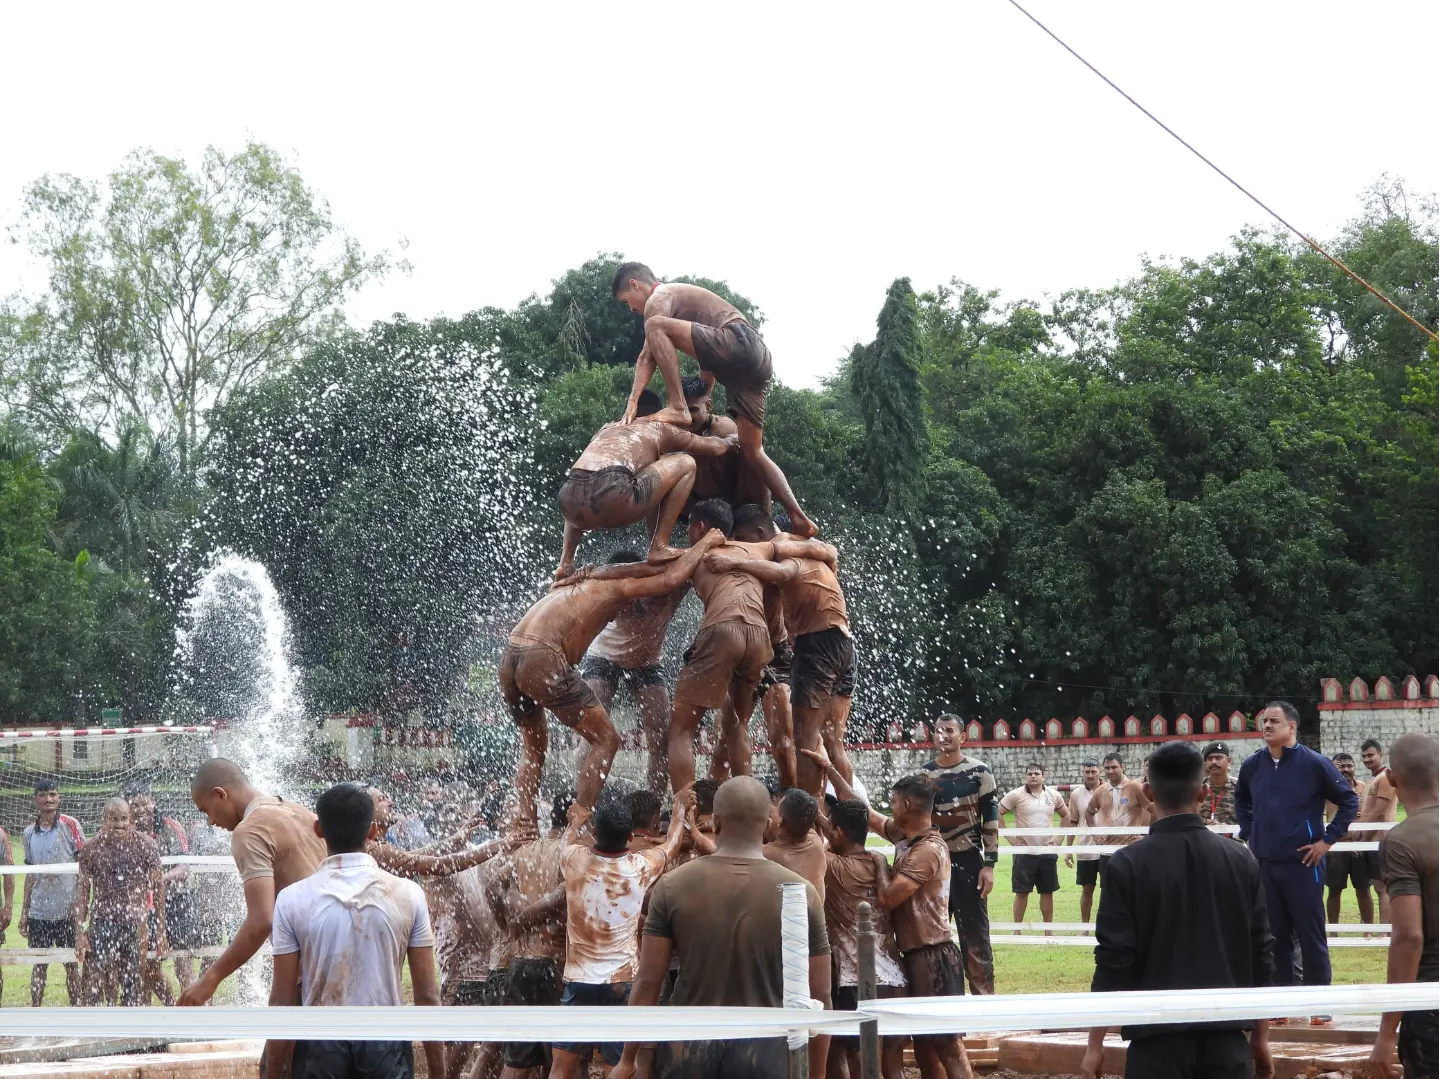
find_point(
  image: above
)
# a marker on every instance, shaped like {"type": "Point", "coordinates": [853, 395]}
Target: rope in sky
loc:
{"type": "Point", "coordinates": [1231, 180]}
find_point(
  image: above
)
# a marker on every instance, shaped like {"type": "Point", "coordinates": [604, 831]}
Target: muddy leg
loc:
{"type": "Point", "coordinates": [654, 717]}
{"type": "Point", "coordinates": [683, 724]}
{"type": "Point", "coordinates": [779, 729]}
{"type": "Point", "coordinates": [675, 476]}
{"type": "Point", "coordinates": [595, 727]}
{"type": "Point", "coordinates": [534, 741]}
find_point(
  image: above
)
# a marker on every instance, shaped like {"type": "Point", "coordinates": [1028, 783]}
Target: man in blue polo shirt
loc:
{"type": "Point", "coordinates": [45, 915]}
{"type": "Point", "coordinates": [1280, 801]}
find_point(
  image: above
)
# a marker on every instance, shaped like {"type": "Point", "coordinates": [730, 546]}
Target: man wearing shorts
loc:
{"type": "Point", "coordinates": [537, 668]}
{"type": "Point", "coordinates": [170, 840]}
{"type": "Point", "coordinates": [1348, 866]}
{"type": "Point", "coordinates": [120, 869]}
{"type": "Point", "coordinates": [45, 908]}
{"type": "Point", "coordinates": [1377, 805]}
{"type": "Point", "coordinates": [822, 672]}
{"type": "Point", "coordinates": [1117, 803]}
{"type": "Point", "coordinates": [731, 647]}
{"type": "Point", "coordinates": [1035, 805]}
{"type": "Point", "coordinates": [626, 655]}
{"type": "Point", "coordinates": [628, 473]}
{"type": "Point", "coordinates": [1087, 872]}
{"type": "Point", "coordinates": [699, 323]}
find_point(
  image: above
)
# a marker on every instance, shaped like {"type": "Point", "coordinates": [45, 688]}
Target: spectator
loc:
{"type": "Point", "coordinates": [122, 867]}
{"type": "Point", "coordinates": [1087, 873]}
{"type": "Point", "coordinates": [967, 812]}
{"type": "Point", "coordinates": [1347, 865]}
{"type": "Point", "coordinates": [1410, 861]}
{"type": "Point", "coordinates": [343, 935]}
{"type": "Point", "coordinates": [1217, 793]}
{"type": "Point", "coordinates": [1035, 805]}
{"type": "Point", "coordinates": [171, 840]}
{"type": "Point", "coordinates": [46, 906]}
{"type": "Point", "coordinates": [1377, 805]}
{"type": "Point", "coordinates": [1183, 908]}
{"type": "Point", "coordinates": [797, 846]}
{"type": "Point", "coordinates": [1279, 799]}
{"type": "Point", "coordinates": [274, 844]}
{"type": "Point", "coordinates": [721, 914]}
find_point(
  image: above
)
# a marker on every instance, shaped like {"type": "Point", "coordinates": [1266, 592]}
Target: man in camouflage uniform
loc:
{"type": "Point", "coordinates": [1217, 793]}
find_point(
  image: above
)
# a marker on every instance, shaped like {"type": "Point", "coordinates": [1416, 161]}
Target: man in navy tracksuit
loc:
{"type": "Point", "coordinates": [1280, 802]}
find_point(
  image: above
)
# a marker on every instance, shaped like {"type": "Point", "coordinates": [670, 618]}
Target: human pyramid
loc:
{"type": "Point", "coordinates": [775, 617]}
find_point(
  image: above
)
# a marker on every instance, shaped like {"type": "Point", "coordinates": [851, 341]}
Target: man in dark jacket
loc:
{"type": "Point", "coordinates": [1280, 801]}
{"type": "Point", "coordinates": [1182, 908]}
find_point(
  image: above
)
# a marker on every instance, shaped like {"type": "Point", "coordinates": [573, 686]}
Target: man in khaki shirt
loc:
{"type": "Point", "coordinates": [274, 845]}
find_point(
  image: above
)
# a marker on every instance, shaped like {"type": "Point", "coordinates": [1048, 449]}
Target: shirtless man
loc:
{"type": "Point", "coordinates": [1377, 804]}
{"type": "Point", "coordinates": [701, 324]}
{"type": "Point", "coordinates": [731, 647]}
{"type": "Point", "coordinates": [719, 477]}
{"type": "Point", "coordinates": [797, 845]}
{"type": "Point", "coordinates": [1118, 802]}
{"type": "Point", "coordinates": [627, 652]}
{"type": "Point", "coordinates": [537, 668]}
{"type": "Point", "coordinates": [822, 674]}
{"type": "Point", "coordinates": [631, 472]}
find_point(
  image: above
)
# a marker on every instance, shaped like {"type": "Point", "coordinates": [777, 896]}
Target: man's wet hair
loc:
{"type": "Point", "coordinates": [1176, 769]}
{"type": "Point", "coordinates": [1342, 756]}
{"type": "Point", "coordinates": [622, 557]}
{"type": "Point", "coordinates": [44, 786]}
{"type": "Point", "coordinates": [645, 808]}
{"type": "Point", "coordinates": [631, 271]}
{"type": "Point", "coordinates": [798, 810]}
{"type": "Point", "coordinates": [949, 717]}
{"type": "Point", "coordinates": [1287, 709]}
{"type": "Point", "coordinates": [613, 826]}
{"type": "Point", "coordinates": [345, 813]}
{"type": "Point", "coordinates": [560, 809]}
{"type": "Point", "coordinates": [705, 795]}
{"type": "Point", "coordinates": [1114, 756]}
{"type": "Point", "coordinates": [852, 818]}
{"type": "Point", "coordinates": [1370, 743]}
{"type": "Point", "coordinates": [750, 514]}
{"type": "Point", "coordinates": [716, 513]}
{"type": "Point", "coordinates": [917, 788]}
{"type": "Point", "coordinates": [693, 387]}
{"type": "Point", "coordinates": [648, 403]}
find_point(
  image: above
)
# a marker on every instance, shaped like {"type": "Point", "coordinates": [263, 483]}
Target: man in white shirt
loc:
{"type": "Point", "coordinates": [1087, 874]}
{"type": "Point", "coordinates": [342, 937]}
{"type": "Point", "coordinates": [1035, 806]}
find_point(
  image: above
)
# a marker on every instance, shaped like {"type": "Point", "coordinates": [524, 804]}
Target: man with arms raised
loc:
{"type": "Point", "coordinates": [1035, 805]}
{"type": "Point", "coordinates": [1377, 805]}
{"type": "Point", "coordinates": [343, 937]}
{"type": "Point", "coordinates": [1410, 863]}
{"type": "Point", "coordinates": [1280, 799]}
{"type": "Point", "coordinates": [274, 845]}
{"type": "Point", "coordinates": [701, 324]}
{"type": "Point", "coordinates": [967, 812]}
{"type": "Point", "coordinates": [537, 669]}
{"type": "Point", "coordinates": [1087, 873]}
{"type": "Point", "coordinates": [721, 916]}
{"type": "Point", "coordinates": [627, 653]}
{"type": "Point", "coordinates": [628, 473]}
{"type": "Point", "coordinates": [1183, 908]}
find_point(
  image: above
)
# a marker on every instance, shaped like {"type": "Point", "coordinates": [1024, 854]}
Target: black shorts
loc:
{"type": "Point", "coordinates": [1372, 866]}
{"type": "Point", "coordinates": [374, 1060]}
{"type": "Point", "coordinates": [611, 995]}
{"type": "Point", "coordinates": [736, 355]}
{"type": "Point", "coordinates": [846, 998]}
{"type": "Point", "coordinates": [532, 983]}
{"type": "Point", "coordinates": [47, 934]}
{"type": "Point", "coordinates": [1347, 865]}
{"type": "Point", "coordinates": [1035, 872]}
{"type": "Point", "coordinates": [1087, 874]}
{"type": "Point", "coordinates": [497, 989]}
{"type": "Point", "coordinates": [824, 666]}
{"type": "Point", "coordinates": [182, 927]}
{"type": "Point", "coordinates": [735, 1058]}
{"type": "Point", "coordinates": [614, 492]}
{"type": "Point", "coordinates": [634, 679]}
{"type": "Point", "coordinates": [1419, 1032]}
{"type": "Point", "coordinates": [936, 970]}
{"type": "Point", "coordinates": [463, 994]}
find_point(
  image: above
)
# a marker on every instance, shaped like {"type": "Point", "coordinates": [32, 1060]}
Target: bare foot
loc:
{"type": "Point", "coordinates": [680, 417]}
{"type": "Point", "coordinates": [663, 554]}
{"type": "Point", "coordinates": [802, 526]}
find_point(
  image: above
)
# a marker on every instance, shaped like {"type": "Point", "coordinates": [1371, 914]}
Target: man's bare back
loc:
{"type": "Point", "coordinates": [813, 599]}
{"type": "Point", "coordinates": [636, 445]}
{"type": "Point", "coordinates": [692, 303]}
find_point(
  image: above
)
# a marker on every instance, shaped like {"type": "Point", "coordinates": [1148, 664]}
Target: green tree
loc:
{"type": "Point", "coordinates": [885, 378]}
{"type": "Point", "coordinates": [173, 289]}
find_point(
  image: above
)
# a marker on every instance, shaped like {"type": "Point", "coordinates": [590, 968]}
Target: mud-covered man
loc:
{"type": "Point", "coordinates": [119, 872]}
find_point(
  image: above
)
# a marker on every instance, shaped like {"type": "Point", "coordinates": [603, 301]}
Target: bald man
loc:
{"type": "Point", "coordinates": [721, 916]}
{"type": "Point", "coordinates": [274, 845]}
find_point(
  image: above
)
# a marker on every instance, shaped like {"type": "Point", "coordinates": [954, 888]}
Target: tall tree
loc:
{"type": "Point", "coordinates": [173, 289]}
{"type": "Point", "coordinates": [885, 378]}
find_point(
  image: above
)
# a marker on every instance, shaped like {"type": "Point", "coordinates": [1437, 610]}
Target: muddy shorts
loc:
{"type": "Point", "coordinates": [611, 995]}
{"type": "Point", "coordinates": [777, 671]}
{"type": "Point", "coordinates": [537, 676]}
{"type": "Point", "coordinates": [608, 492]}
{"type": "Point", "coordinates": [824, 666]}
{"type": "Point", "coordinates": [736, 1058]}
{"type": "Point", "coordinates": [726, 656]}
{"type": "Point", "coordinates": [935, 970]}
{"type": "Point", "coordinates": [846, 998]}
{"type": "Point", "coordinates": [737, 357]}
{"type": "Point", "coordinates": [59, 933]}
{"type": "Point", "coordinates": [497, 989]}
{"type": "Point", "coordinates": [634, 679]}
{"type": "Point", "coordinates": [374, 1060]}
{"type": "Point", "coordinates": [463, 994]}
{"type": "Point", "coordinates": [532, 983]}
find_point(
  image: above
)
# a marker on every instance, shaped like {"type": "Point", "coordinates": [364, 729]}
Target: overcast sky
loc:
{"type": "Point", "coordinates": [806, 153]}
